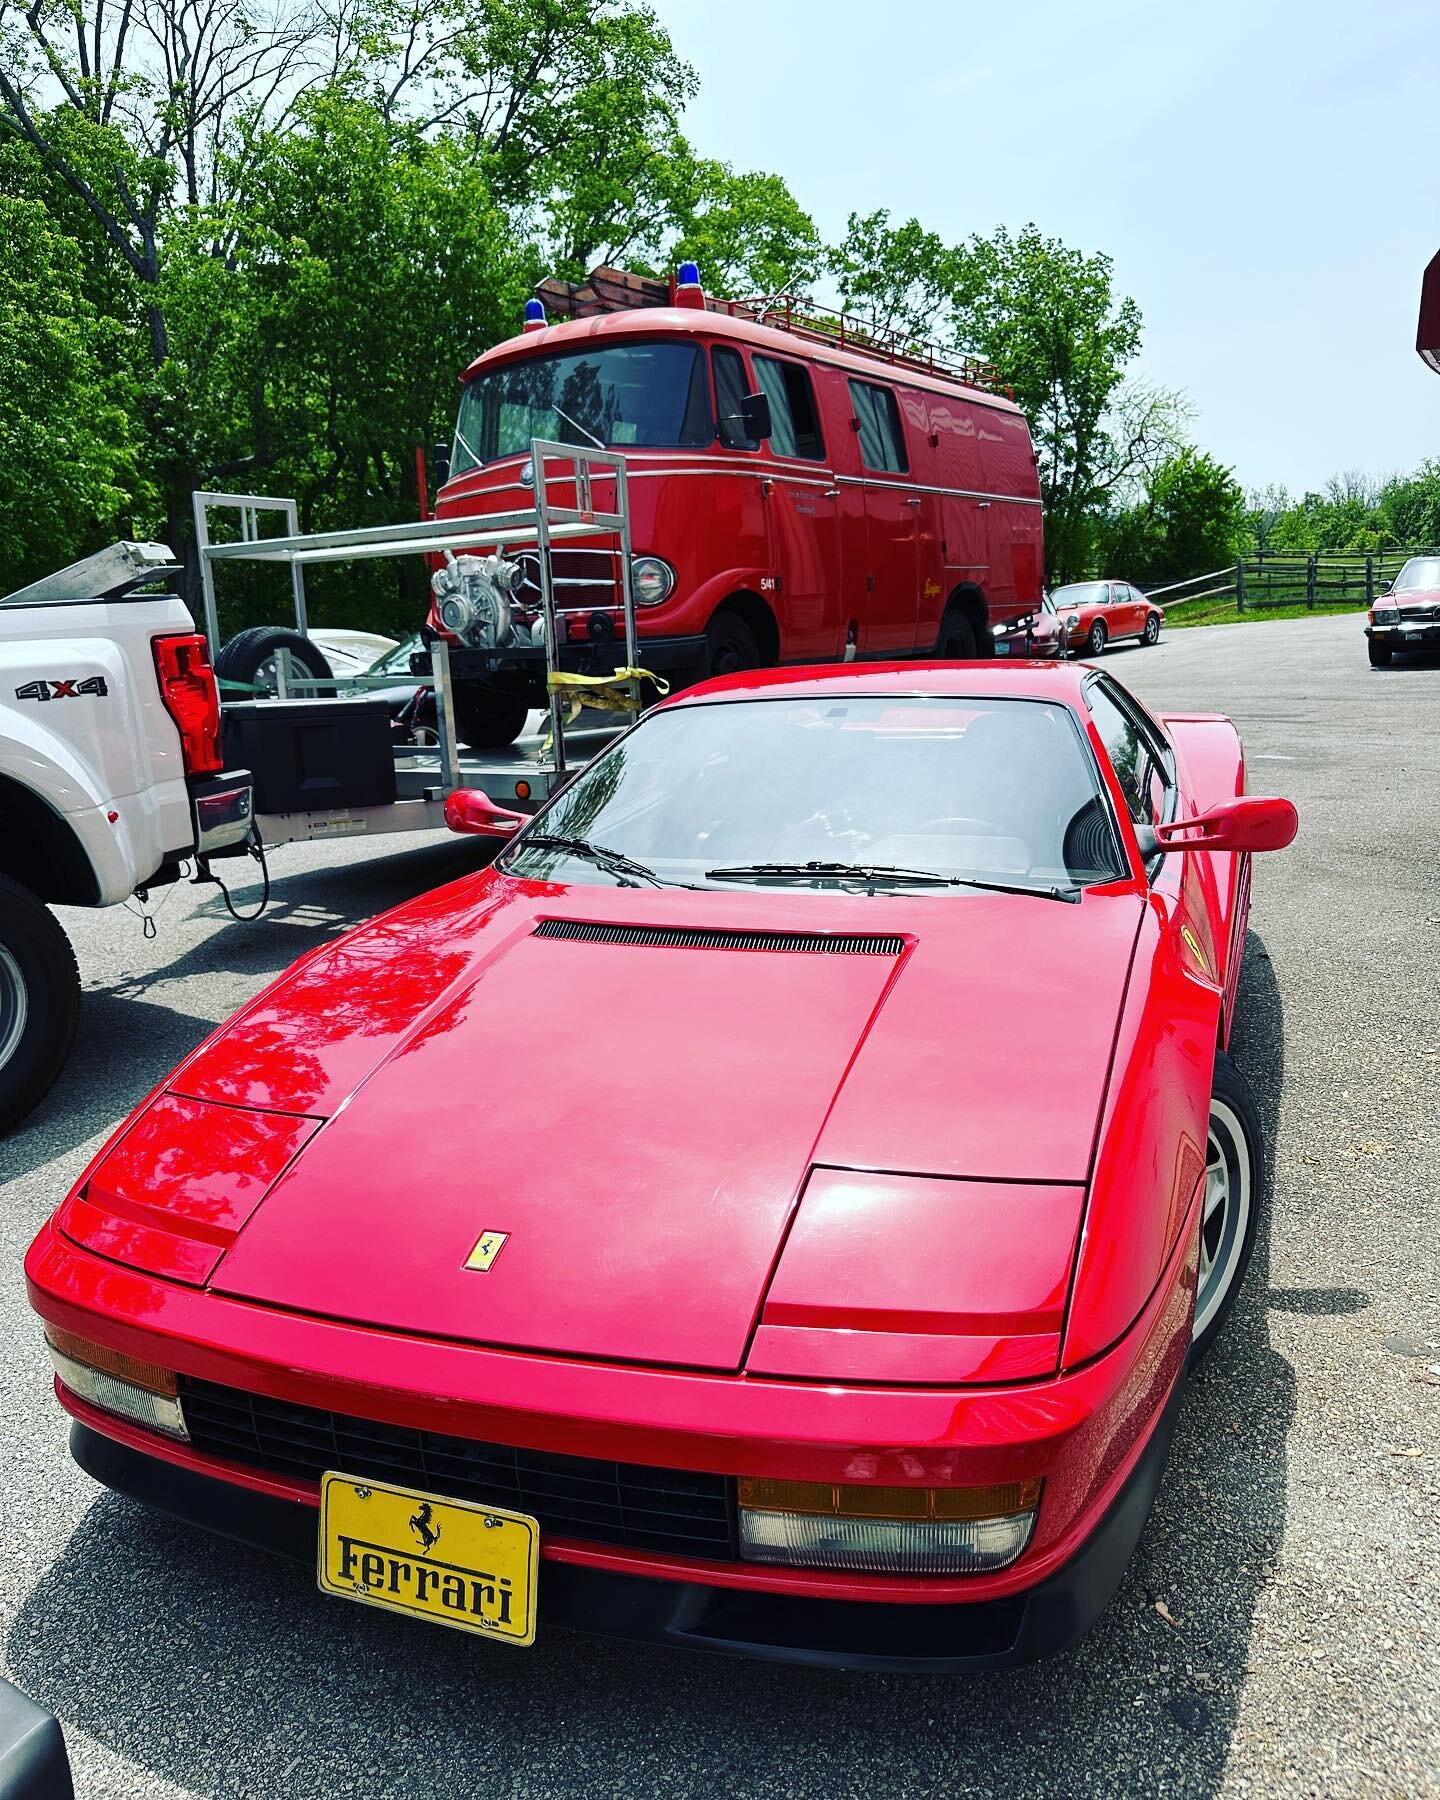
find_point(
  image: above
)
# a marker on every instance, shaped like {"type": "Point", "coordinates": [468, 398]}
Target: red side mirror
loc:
{"type": "Point", "coordinates": [1251, 822]}
{"type": "Point", "coordinates": [468, 810]}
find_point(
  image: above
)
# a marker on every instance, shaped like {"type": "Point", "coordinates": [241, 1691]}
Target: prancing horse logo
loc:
{"type": "Point", "coordinates": [428, 1534]}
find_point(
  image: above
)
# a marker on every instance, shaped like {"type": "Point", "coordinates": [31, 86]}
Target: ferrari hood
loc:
{"type": "Point", "coordinates": [592, 1134]}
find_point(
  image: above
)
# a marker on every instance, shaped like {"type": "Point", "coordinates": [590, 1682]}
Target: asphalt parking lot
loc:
{"type": "Point", "coordinates": [1279, 1629]}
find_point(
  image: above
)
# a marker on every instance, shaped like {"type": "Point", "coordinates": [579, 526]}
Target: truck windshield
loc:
{"type": "Point", "coordinates": [643, 396]}
{"type": "Point", "coordinates": [820, 791]}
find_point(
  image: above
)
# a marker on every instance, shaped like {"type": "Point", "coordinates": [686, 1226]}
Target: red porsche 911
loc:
{"type": "Point", "coordinates": [655, 1233]}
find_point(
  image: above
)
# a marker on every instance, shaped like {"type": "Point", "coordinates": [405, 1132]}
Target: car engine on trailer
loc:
{"type": "Point", "coordinates": [488, 602]}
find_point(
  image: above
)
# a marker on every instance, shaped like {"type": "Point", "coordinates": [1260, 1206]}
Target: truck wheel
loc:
{"type": "Point", "coordinates": [486, 719]}
{"type": "Point", "coordinates": [957, 638]}
{"type": "Point", "coordinates": [39, 1000]}
{"type": "Point", "coordinates": [252, 657]}
{"type": "Point", "coordinates": [1379, 655]}
{"type": "Point", "coordinates": [730, 645]}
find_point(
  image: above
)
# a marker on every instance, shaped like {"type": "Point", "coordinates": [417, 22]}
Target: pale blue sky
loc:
{"type": "Point", "coordinates": [1265, 176]}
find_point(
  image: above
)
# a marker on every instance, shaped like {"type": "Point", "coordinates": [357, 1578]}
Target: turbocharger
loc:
{"type": "Point", "coordinates": [475, 601]}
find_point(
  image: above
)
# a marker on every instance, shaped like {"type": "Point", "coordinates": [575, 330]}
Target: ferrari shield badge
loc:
{"type": "Point", "coordinates": [488, 1246]}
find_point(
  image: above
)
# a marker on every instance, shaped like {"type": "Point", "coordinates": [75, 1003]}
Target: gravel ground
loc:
{"type": "Point", "coordinates": [1294, 1544]}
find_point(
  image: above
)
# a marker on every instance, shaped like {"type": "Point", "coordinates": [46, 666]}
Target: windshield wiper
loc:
{"type": "Point", "coordinates": [584, 431]}
{"type": "Point", "coordinates": [624, 868]}
{"type": "Point", "coordinates": [878, 875]}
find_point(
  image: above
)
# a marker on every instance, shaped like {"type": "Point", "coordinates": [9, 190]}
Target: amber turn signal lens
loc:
{"type": "Point", "coordinates": [840, 1500]}
{"type": "Point", "coordinates": [134, 1369]}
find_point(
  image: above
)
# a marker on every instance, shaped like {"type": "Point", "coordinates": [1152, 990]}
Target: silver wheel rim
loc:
{"type": "Point", "coordinates": [1097, 639]}
{"type": "Point", "coordinates": [1152, 629]}
{"type": "Point", "coordinates": [1224, 1212]}
{"type": "Point", "coordinates": [14, 1006]}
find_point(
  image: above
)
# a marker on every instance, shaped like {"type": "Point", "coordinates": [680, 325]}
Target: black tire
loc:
{"type": "Point", "coordinates": [1096, 639]}
{"type": "Point", "coordinates": [1234, 1149]}
{"type": "Point", "coordinates": [956, 642]}
{"type": "Point", "coordinates": [730, 646]}
{"type": "Point", "coordinates": [245, 656]}
{"type": "Point", "coordinates": [487, 719]}
{"type": "Point", "coordinates": [1151, 633]}
{"type": "Point", "coordinates": [1379, 655]}
{"type": "Point", "coordinates": [39, 1000]}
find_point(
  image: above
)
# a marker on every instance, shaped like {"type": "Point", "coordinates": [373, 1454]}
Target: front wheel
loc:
{"type": "Point", "coordinates": [1096, 637]}
{"type": "Point", "coordinates": [39, 1000]}
{"type": "Point", "coordinates": [1379, 655]}
{"type": "Point", "coordinates": [730, 646]}
{"type": "Point", "coordinates": [1230, 1205]}
{"type": "Point", "coordinates": [1151, 633]}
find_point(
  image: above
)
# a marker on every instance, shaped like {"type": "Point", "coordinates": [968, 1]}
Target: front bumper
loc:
{"type": "Point", "coordinates": [1423, 634]}
{"type": "Point", "coordinates": [951, 1638]}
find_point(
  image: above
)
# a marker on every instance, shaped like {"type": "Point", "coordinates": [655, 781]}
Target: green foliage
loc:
{"type": "Point", "coordinates": [59, 415]}
{"type": "Point", "coordinates": [900, 278]}
{"type": "Point", "coordinates": [1353, 513]}
{"type": "Point", "coordinates": [1191, 518]}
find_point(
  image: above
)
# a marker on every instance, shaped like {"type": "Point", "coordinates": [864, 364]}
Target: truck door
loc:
{"type": "Point", "coordinates": [801, 503]}
{"type": "Point", "coordinates": [891, 602]}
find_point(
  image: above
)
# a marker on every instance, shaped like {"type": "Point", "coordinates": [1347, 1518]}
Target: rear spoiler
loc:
{"type": "Point", "coordinates": [1427, 340]}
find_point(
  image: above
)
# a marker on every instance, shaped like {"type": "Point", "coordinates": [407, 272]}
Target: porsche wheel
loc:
{"type": "Point", "coordinates": [1379, 655]}
{"type": "Point", "coordinates": [1230, 1208]}
{"type": "Point", "coordinates": [1096, 637]}
{"type": "Point", "coordinates": [1151, 633]}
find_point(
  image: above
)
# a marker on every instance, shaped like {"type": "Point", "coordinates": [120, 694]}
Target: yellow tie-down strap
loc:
{"type": "Point", "coordinates": [610, 693]}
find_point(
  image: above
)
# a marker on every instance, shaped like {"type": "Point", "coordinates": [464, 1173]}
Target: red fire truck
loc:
{"type": "Point", "coordinates": [801, 489]}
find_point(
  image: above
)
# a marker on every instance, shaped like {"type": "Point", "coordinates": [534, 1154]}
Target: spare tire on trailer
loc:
{"type": "Point", "coordinates": [487, 718]}
{"type": "Point", "coordinates": [250, 657]}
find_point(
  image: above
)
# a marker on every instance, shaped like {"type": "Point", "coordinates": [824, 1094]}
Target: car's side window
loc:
{"type": "Point", "coordinates": [1137, 754]}
{"type": "Point", "coordinates": [730, 391]}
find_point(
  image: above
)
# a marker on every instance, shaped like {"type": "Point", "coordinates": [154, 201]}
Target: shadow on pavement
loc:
{"type": "Point", "coordinates": [226, 1672]}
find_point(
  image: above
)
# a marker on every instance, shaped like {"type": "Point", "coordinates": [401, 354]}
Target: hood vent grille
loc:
{"type": "Point", "coordinates": [687, 937]}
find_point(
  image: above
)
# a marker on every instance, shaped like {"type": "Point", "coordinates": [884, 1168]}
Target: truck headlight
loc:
{"type": "Point", "coordinates": [128, 1386]}
{"type": "Point", "coordinates": [651, 580]}
{"type": "Point", "coordinates": [886, 1530]}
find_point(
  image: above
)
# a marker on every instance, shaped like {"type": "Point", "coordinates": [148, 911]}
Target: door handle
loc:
{"type": "Point", "coordinates": [984, 506]}
{"type": "Point", "coordinates": [912, 501]}
{"type": "Point", "coordinates": [831, 494]}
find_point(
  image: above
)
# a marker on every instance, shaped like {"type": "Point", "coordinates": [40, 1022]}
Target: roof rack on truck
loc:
{"type": "Point", "coordinates": [322, 753]}
{"type": "Point", "coordinates": [608, 290]}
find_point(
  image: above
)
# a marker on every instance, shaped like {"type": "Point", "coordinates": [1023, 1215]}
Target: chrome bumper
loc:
{"type": "Point", "coordinates": [222, 808]}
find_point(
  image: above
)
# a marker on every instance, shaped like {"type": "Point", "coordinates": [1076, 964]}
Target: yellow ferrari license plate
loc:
{"type": "Point", "coordinates": [473, 1567]}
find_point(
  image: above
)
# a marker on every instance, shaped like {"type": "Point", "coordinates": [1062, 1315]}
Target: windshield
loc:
{"type": "Point", "coordinates": [993, 790]}
{"type": "Point", "coordinates": [1419, 573]}
{"type": "Point", "coordinates": [396, 661]}
{"type": "Point", "coordinates": [646, 396]}
{"type": "Point", "coordinates": [1081, 593]}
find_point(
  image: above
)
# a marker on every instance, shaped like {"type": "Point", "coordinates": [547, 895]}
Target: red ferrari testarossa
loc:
{"type": "Point", "coordinates": [657, 1232]}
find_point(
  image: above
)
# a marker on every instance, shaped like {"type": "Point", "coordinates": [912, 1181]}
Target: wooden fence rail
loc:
{"type": "Point", "coordinates": [1293, 578]}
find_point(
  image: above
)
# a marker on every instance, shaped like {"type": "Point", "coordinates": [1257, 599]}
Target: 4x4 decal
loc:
{"type": "Point", "coordinates": [63, 690]}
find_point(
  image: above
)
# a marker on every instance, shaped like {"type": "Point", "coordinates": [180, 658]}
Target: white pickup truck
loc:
{"type": "Point", "coordinates": [111, 775]}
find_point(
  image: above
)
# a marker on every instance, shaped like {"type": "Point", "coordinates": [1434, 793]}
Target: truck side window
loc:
{"type": "Point", "coordinates": [882, 443]}
{"type": "Point", "coordinates": [730, 391]}
{"type": "Point", "coordinates": [794, 422]}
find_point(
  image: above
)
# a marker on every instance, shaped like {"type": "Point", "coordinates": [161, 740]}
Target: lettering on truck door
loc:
{"type": "Point", "coordinates": [890, 620]}
{"type": "Point", "coordinates": [801, 504]}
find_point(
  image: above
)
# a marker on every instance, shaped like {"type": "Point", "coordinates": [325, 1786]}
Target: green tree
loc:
{"type": "Point", "coordinates": [1191, 519]}
{"type": "Point", "coordinates": [899, 278]}
{"type": "Point", "coordinates": [69, 468]}
{"type": "Point", "coordinates": [1050, 320]}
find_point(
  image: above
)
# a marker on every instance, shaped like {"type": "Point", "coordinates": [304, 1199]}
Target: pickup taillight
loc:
{"type": "Point", "coordinates": [192, 699]}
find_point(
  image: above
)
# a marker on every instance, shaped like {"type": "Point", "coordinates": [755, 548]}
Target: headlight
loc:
{"type": "Point", "coordinates": [651, 580]}
{"type": "Point", "coordinates": [886, 1530]}
{"type": "Point", "coordinates": [140, 1391]}
{"type": "Point", "coordinates": [1385, 615]}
